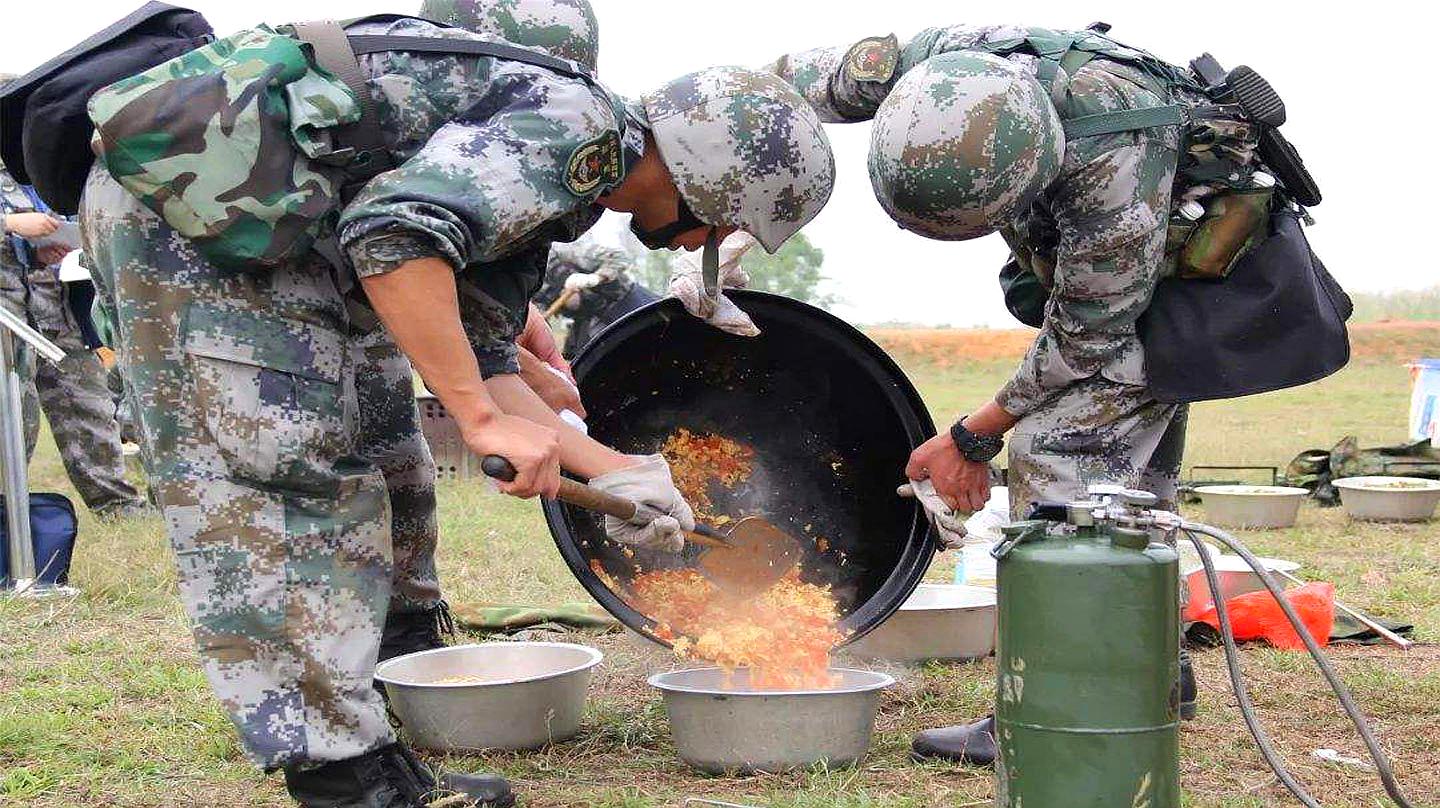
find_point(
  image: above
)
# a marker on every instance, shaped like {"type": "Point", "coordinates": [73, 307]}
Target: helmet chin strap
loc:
{"type": "Point", "coordinates": [661, 237]}
{"type": "Point", "coordinates": [710, 264]}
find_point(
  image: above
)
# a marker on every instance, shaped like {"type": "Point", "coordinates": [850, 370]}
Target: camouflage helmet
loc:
{"type": "Point", "coordinates": [745, 150]}
{"type": "Point", "coordinates": [964, 142]}
{"type": "Point", "coordinates": [564, 28]}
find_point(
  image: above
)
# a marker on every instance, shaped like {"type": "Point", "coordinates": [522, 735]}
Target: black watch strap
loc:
{"type": "Point", "coordinates": [975, 448]}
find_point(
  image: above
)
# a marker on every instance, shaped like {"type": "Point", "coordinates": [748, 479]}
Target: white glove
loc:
{"type": "Point", "coordinates": [687, 282]}
{"type": "Point", "coordinates": [663, 515]}
{"type": "Point", "coordinates": [580, 281]}
{"type": "Point", "coordinates": [946, 521]}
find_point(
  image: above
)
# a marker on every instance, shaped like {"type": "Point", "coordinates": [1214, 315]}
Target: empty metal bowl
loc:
{"type": "Point", "coordinates": [938, 621]}
{"type": "Point", "coordinates": [1389, 499]}
{"type": "Point", "coordinates": [719, 725]}
{"type": "Point", "coordinates": [500, 695]}
{"type": "Point", "coordinates": [1251, 506]}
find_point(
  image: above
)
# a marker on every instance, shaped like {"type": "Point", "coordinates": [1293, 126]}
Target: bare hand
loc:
{"type": "Point", "coordinates": [538, 339]}
{"type": "Point", "coordinates": [961, 484]}
{"type": "Point", "coordinates": [52, 254]}
{"type": "Point", "coordinates": [557, 392]}
{"type": "Point", "coordinates": [31, 225]}
{"type": "Point", "coordinates": [533, 450]}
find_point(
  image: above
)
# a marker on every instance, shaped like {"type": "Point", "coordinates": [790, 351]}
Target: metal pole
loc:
{"type": "Point", "coordinates": [12, 458]}
{"type": "Point", "coordinates": [14, 465]}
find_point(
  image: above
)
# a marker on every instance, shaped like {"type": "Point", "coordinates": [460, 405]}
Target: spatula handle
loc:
{"type": "Point", "coordinates": [593, 499]}
{"type": "Point", "coordinates": [578, 494]}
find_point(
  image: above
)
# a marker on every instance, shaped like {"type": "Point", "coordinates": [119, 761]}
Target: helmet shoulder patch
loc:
{"type": "Point", "coordinates": [596, 162]}
{"type": "Point", "coordinates": [873, 59]}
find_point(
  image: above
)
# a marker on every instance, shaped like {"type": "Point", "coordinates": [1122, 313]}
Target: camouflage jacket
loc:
{"type": "Point", "coordinates": [586, 257]}
{"type": "Point", "coordinates": [1095, 237]}
{"type": "Point", "coordinates": [493, 160]}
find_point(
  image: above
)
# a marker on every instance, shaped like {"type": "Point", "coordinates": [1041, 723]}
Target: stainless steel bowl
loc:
{"type": "Point", "coordinates": [1251, 506]}
{"type": "Point", "coordinates": [528, 694]}
{"type": "Point", "coordinates": [719, 725]}
{"type": "Point", "coordinates": [938, 621]}
{"type": "Point", "coordinates": [1389, 499]}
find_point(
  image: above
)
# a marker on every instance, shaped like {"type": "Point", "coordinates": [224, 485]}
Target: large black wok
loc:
{"type": "Point", "coordinates": [831, 418]}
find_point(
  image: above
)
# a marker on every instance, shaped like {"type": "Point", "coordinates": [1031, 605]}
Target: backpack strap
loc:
{"type": "Point", "coordinates": [333, 53]}
{"type": "Point", "coordinates": [362, 44]}
{"type": "Point", "coordinates": [1126, 120]}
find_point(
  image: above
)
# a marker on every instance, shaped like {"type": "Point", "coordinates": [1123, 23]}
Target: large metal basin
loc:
{"type": "Point", "coordinates": [1389, 499]}
{"type": "Point", "coordinates": [938, 621]}
{"type": "Point", "coordinates": [530, 694]}
{"type": "Point", "coordinates": [1251, 506]}
{"type": "Point", "coordinates": [721, 726]}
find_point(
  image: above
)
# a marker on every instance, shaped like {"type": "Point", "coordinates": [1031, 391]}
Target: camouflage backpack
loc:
{"type": "Point", "coordinates": [247, 146]}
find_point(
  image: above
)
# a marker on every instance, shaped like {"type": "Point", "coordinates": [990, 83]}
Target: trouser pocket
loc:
{"type": "Point", "coordinates": [276, 397]}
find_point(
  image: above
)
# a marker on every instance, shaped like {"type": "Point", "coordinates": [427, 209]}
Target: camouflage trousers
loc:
{"type": "Point", "coordinates": [389, 437]}
{"type": "Point", "coordinates": [1096, 431]}
{"type": "Point", "coordinates": [72, 394]}
{"type": "Point", "coordinates": [247, 392]}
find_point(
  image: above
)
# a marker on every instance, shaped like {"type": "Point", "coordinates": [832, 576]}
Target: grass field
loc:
{"type": "Point", "coordinates": [102, 701]}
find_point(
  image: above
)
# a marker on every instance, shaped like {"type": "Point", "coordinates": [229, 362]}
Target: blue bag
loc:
{"type": "Point", "coordinates": [53, 528]}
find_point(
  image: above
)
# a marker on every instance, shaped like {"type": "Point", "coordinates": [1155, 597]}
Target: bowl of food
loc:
{"type": "Point", "coordinates": [937, 621]}
{"type": "Point", "coordinates": [500, 695]}
{"type": "Point", "coordinates": [1389, 499]}
{"type": "Point", "coordinates": [721, 723]}
{"type": "Point", "coordinates": [1251, 506]}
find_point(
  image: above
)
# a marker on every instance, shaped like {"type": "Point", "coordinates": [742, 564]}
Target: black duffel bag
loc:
{"type": "Point", "coordinates": [1277, 321]}
{"type": "Point", "coordinates": [44, 126]}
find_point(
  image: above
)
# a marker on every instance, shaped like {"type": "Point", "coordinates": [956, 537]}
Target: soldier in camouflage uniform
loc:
{"type": "Point", "coordinates": [970, 137]}
{"type": "Point", "coordinates": [73, 394]}
{"type": "Point", "coordinates": [246, 389]}
{"type": "Point", "coordinates": [564, 28]}
{"type": "Point", "coordinates": [594, 280]}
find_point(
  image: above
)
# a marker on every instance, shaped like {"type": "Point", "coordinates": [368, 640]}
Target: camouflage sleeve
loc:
{"type": "Point", "coordinates": [478, 189]}
{"type": "Point", "coordinates": [1110, 208]}
{"type": "Point", "coordinates": [843, 84]}
{"type": "Point", "coordinates": [847, 84]}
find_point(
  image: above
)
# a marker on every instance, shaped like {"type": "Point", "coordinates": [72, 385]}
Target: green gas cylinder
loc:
{"type": "Point", "coordinates": [1087, 701]}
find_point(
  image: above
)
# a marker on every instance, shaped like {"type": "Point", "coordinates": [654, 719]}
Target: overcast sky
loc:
{"type": "Point", "coordinates": [1357, 86]}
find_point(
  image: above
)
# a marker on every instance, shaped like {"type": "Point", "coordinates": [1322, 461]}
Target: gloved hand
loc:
{"type": "Point", "coordinates": [946, 521]}
{"type": "Point", "coordinates": [580, 281]}
{"type": "Point", "coordinates": [688, 283]}
{"type": "Point", "coordinates": [663, 514]}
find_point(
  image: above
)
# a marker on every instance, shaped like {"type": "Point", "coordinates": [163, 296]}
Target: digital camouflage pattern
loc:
{"type": "Point", "coordinates": [222, 143]}
{"type": "Point", "coordinates": [388, 435]}
{"type": "Point", "coordinates": [744, 150]}
{"type": "Point", "coordinates": [1096, 239]}
{"type": "Point", "coordinates": [525, 185]}
{"type": "Point", "coordinates": [72, 394]}
{"type": "Point", "coordinates": [279, 432]}
{"type": "Point", "coordinates": [564, 28]}
{"type": "Point", "coordinates": [962, 144]}
{"type": "Point", "coordinates": [246, 397]}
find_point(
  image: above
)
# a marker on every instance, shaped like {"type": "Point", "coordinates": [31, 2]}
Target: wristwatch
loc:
{"type": "Point", "coordinates": [975, 448]}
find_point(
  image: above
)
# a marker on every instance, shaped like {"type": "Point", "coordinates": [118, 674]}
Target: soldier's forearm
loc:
{"type": "Point", "coordinates": [419, 305]}
{"type": "Point", "coordinates": [578, 453]}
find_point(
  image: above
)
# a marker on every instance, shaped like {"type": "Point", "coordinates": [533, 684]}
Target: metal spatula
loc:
{"type": "Point", "coordinates": [749, 559]}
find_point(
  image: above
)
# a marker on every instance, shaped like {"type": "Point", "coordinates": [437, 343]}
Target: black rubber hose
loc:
{"type": "Point", "coordinates": [1382, 763]}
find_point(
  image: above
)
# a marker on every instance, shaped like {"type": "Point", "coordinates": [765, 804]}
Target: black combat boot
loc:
{"type": "Point", "coordinates": [420, 630]}
{"type": "Point", "coordinates": [1188, 690]}
{"type": "Point", "coordinates": [966, 743]}
{"type": "Point", "coordinates": [480, 790]}
{"type": "Point", "coordinates": [391, 777]}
